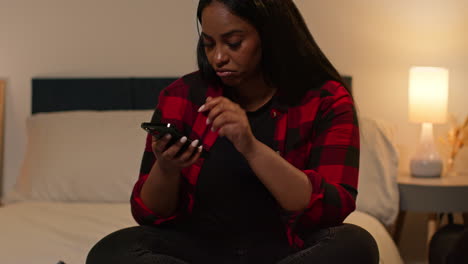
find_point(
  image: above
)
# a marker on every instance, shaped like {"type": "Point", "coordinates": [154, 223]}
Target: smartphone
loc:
{"type": "Point", "coordinates": [161, 129]}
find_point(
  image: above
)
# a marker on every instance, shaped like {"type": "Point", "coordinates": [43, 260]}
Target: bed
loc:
{"type": "Point", "coordinates": [83, 156]}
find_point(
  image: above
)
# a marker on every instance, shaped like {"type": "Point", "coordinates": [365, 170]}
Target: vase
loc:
{"type": "Point", "coordinates": [450, 169]}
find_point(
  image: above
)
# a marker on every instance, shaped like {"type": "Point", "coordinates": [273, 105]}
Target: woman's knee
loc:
{"type": "Point", "coordinates": [140, 244]}
{"type": "Point", "coordinates": [115, 245]}
{"type": "Point", "coordinates": [358, 242]}
{"type": "Point", "coordinates": [342, 244]}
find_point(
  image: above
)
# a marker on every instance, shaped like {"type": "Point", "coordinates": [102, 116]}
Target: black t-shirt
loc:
{"type": "Point", "coordinates": [230, 201]}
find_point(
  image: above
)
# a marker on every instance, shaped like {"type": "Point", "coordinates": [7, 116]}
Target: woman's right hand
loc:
{"type": "Point", "coordinates": [168, 160]}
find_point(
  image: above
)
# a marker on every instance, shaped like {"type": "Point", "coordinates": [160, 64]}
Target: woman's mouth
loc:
{"type": "Point", "coordinates": [224, 73]}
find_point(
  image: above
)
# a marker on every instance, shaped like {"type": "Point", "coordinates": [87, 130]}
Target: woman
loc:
{"type": "Point", "coordinates": [281, 132]}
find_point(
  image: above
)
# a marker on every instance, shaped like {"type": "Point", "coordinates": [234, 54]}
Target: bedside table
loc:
{"type": "Point", "coordinates": [447, 194]}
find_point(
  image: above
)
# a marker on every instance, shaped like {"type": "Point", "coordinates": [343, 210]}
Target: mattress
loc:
{"type": "Point", "coordinates": [49, 232]}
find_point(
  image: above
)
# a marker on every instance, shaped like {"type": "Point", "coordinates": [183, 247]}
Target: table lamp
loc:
{"type": "Point", "coordinates": [428, 96]}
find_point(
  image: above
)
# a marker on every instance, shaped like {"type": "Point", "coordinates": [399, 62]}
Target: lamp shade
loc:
{"type": "Point", "coordinates": [428, 94]}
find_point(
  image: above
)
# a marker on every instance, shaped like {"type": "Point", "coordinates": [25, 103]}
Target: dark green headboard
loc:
{"type": "Point", "coordinates": [63, 94]}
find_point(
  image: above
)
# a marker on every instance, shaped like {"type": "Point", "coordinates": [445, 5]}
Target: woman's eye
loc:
{"type": "Point", "coordinates": [234, 45]}
{"type": "Point", "coordinates": [207, 44]}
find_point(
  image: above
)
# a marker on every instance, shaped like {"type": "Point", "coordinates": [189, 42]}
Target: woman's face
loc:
{"type": "Point", "coordinates": [231, 44]}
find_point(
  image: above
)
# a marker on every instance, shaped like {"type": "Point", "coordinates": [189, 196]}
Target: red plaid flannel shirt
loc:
{"type": "Point", "coordinates": [319, 136]}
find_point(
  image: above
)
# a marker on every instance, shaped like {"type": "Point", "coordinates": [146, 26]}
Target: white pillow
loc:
{"type": "Point", "coordinates": [95, 156]}
{"type": "Point", "coordinates": [378, 170]}
{"type": "Point", "coordinates": [89, 156]}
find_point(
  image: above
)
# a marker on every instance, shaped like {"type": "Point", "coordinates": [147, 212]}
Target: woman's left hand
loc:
{"type": "Point", "coordinates": [230, 120]}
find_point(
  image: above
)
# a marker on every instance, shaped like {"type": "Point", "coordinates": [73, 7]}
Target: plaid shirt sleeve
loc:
{"type": "Point", "coordinates": [170, 109]}
{"type": "Point", "coordinates": [333, 162]}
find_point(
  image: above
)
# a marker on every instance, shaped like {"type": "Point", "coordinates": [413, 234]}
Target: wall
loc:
{"type": "Point", "coordinates": [86, 38]}
{"type": "Point", "coordinates": [378, 41]}
{"type": "Point", "coordinates": [375, 41]}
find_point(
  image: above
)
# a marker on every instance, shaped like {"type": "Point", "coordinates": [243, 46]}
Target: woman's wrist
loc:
{"type": "Point", "coordinates": [250, 149]}
{"type": "Point", "coordinates": [167, 171]}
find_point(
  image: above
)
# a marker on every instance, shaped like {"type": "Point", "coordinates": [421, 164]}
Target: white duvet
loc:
{"type": "Point", "coordinates": [49, 232]}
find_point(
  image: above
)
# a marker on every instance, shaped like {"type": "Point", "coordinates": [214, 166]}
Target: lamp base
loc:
{"type": "Point", "coordinates": [426, 168]}
{"type": "Point", "coordinates": [426, 162]}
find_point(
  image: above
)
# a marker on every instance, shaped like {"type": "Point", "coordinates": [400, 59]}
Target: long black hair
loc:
{"type": "Point", "coordinates": [291, 59]}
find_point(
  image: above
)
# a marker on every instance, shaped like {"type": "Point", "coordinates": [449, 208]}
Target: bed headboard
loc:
{"type": "Point", "coordinates": [63, 94]}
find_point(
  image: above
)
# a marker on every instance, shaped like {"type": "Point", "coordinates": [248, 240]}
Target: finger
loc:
{"type": "Point", "coordinates": [227, 129]}
{"type": "Point", "coordinates": [154, 141]}
{"type": "Point", "coordinates": [172, 151]}
{"type": "Point", "coordinates": [210, 103]}
{"type": "Point", "coordinates": [195, 157]}
{"type": "Point", "coordinates": [160, 144]}
{"type": "Point", "coordinates": [189, 152]}
{"type": "Point", "coordinates": [225, 118]}
{"type": "Point", "coordinates": [218, 109]}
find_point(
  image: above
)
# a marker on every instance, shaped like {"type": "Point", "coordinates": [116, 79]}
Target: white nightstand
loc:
{"type": "Point", "coordinates": [448, 194]}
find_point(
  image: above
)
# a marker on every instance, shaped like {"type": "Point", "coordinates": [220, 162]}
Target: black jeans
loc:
{"type": "Point", "coordinates": [150, 245]}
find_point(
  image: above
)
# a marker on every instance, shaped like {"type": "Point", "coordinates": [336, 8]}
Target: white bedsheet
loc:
{"type": "Point", "coordinates": [47, 232]}
{"type": "Point", "coordinates": [389, 253]}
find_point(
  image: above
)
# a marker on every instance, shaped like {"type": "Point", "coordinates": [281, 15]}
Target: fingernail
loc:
{"type": "Point", "coordinates": [168, 136]}
{"type": "Point", "coordinates": [213, 129]}
{"type": "Point", "coordinates": [208, 121]}
{"type": "Point", "coordinates": [201, 108]}
{"type": "Point", "coordinates": [208, 98]}
{"type": "Point", "coordinates": [195, 143]}
{"type": "Point", "coordinates": [183, 139]}
{"type": "Point", "coordinates": [200, 148]}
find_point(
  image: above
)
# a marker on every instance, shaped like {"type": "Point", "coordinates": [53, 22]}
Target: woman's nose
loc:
{"type": "Point", "coordinates": [220, 58]}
